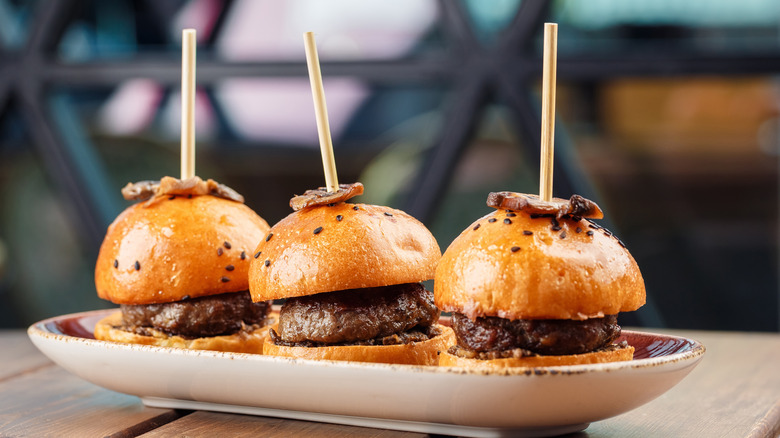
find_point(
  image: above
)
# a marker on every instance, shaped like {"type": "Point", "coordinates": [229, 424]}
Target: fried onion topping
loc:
{"type": "Point", "coordinates": [321, 196]}
{"type": "Point", "coordinates": [576, 206]}
{"type": "Point", "coordinates": [154, 191]}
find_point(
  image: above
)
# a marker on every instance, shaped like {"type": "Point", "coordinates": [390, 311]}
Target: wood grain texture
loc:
{"type": "Point", "coordinates": [731, 393]}
{"type": "Point", "coordinates": [203, 423]}
{"type": "Point", "coordinates": [19, 354]}
{"type": "Point", "coordinates": [769, 425]}
{"type": "Point", "coordinates": [51, 402]}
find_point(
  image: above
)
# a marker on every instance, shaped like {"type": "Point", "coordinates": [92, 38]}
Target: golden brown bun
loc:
{"type": "Point", "coordinates": [621, 354]}
{"type": "Point", "coordinates": [563, 274]}
{"type": "Point", "coordinates": [415, 353]}
{"type": "Point", "coordinates": [109, 329]}
{"type": "Point", "coordinates": [177, 245]}
{"type": "Point", "coordinates": [369, 247]}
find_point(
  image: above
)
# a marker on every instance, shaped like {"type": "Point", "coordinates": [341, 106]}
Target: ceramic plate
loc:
{"type": "Point", "coordinates": [450, 401]}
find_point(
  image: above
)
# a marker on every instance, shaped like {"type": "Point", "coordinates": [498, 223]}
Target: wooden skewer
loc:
{"type": "Point", "coordinates": [321, 112]}
{"type": "Point", "coordinates": [548, 110]}
{"type": "Point", "coordinates": [188, 104]}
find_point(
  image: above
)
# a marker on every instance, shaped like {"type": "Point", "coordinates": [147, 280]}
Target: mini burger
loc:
{"type": "Point", "coordinates": [351, 277]}
{"type": "Point", "coordinates": [177, 263]}
{"type": "Point", "coordinates": [537, 283]}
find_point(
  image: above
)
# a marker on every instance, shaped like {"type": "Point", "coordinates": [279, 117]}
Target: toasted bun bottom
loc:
{"type": "Point", "coordinates": [614, 355]}
{"type": "Point", "coordinates": [107, 329]}
{"type": "Point", "coordinates": [415, 353]}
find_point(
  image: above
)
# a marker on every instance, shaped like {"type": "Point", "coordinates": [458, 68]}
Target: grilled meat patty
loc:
{"type": "Point", "coordinates": [541, 336]}
{"type": "Point", "coordinates": [355, 315]}
{"type": "Point", "coordinates": [214, 315]}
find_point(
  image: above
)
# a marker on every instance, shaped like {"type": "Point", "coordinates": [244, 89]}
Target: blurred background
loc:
{"type": "Point", "coordinates": [667, 116]}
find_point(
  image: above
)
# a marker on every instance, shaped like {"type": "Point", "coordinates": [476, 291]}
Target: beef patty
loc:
{"type": "Point", "coordinates": [214, 315]}
{"type": "Point", "coordinates": [541, 336]}
{"type": "Point", "coordinates": [354, 315]}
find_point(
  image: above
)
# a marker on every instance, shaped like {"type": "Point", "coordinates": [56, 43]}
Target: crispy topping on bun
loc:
{"type": "Point", "coordinates": [321, 196]}
{"type": "Point", "coordinates": [169, 186]}
{"type": "Point", "coordinates": [576, 206]}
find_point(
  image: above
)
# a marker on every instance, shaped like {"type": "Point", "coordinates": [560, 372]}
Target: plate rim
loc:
{"type": "Point", "coordinates": [696, 350]}
{"type": "Point", "coordinates": [549, 388]}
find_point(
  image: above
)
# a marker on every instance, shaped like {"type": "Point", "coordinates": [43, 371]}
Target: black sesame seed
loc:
{"type": "Point", "coordinates": [527, 233]}
{"type": "Point", "coordinates": [257, 254]}
{"type": "Point", "coordinates": [510, 215]}
{"type": "Point", "coordinates": [331, 204]}
{"type": "Point", "coordinates": [269, 236]}
{"type": "Point", "coordinates": [339, 218]}
{"type": "Point", "coordinates": [476, 227]}
{"type": "Point", "coordinates": [356, 208]}
{"type": "Point", "coordinates": [589, 233]}
{"type": "Point", "coordinates": [620, 242]}
{"type": "Point", "coordinates": [186, 297]}
{"type": "Point", "coordinates": [225, 279]}
{"type": "Point", "coordinates": [267, 262]}
{"type": "Point", "coordinates": [507, 221]}
{"type": "Point", "coordinates": [219, 251]}
{"type": "Point", "coordinates": [536, 215]}
{"type": "Point", "coordinates": [556, 228]}
{"type": "Point", "coordinates": [492, 219]}
{"type": "Point", "coordinates": [578, 229]}
{"type": "Point", "coordinates": [116, 263]}
{"type": "Point", "coordinates": [243, 255]}
{"type": "Point", "coordinates": [563, 235]}
{"type": "Point", "coordinates": [576, 218]}
{"type": "Point", "coordinates": [387, 213]}
{"type": "Point", "coordinates": [230, 267]}
{"type": "Point", "coordinates": [227, 245]}
{"type": "Point", "coordinates": [137, 266]}
{"type": "Point", "coordinates": [515, 248]}
{"type": "Point", "coordinates": [318, 230]}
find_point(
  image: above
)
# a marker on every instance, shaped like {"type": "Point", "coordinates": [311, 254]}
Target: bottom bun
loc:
{"type": "Point", "coordinates": [615, 354]}
{"type": "Point", "coordinates": [110, 329]}
{"type": "Point", "coordinates": [414, 353]}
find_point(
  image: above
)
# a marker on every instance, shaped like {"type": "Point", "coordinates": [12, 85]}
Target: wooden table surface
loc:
{"type": "Point", "coordinates": [733, 392]}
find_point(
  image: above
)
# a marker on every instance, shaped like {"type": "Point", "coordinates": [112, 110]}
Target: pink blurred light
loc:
{"type": "Point", "coordinates": [278, 109]}
{"type": "Point", "coordinates": [200, 15]}
{"type": "Point", "coordinates": [282, 109]}
{"type": "Point", "coordinates": [259, 30]}
{"type": "Point", "coordinates": [205, 120]}
{"type": "Point", "coordinates": [132, 107]}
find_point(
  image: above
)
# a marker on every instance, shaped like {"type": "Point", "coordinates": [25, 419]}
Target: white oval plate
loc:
{"type": "Point", "coordinates": [440, 400]}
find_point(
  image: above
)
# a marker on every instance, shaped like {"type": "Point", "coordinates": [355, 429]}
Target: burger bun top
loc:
{"type": "Point", "coordinates": [513, 265]}
{"type": "Point", "coordinates": [177, 247]}
{"type": "Point", "coordinates": [327, 248]}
